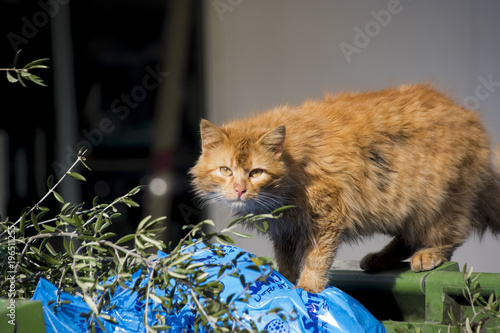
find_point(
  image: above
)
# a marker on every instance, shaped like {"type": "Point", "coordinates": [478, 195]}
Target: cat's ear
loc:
{"type": "Point", "coordinates": [274, 141]}
{"type": "Point", "coordinates": [211, 135]}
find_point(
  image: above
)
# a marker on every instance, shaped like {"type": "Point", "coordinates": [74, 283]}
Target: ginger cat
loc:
{"type": "Point", "coordinates": [406, 162]}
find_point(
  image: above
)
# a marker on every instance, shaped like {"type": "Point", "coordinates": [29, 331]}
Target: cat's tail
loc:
{"type": "Point", "coordinates": [490, 199]}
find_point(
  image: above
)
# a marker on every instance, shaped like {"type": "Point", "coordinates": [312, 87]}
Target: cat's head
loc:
{"type": "Point", "coordinates": [240, 167]}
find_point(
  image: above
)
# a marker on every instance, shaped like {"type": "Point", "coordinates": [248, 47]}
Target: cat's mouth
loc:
{"type": "Point", "coordinates": [239, 203]}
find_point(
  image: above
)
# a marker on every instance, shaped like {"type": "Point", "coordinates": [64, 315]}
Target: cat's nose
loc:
{"type": "Point", "coordinates": [240, 190]}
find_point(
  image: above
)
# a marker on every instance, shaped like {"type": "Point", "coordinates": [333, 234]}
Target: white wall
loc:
{"type": "Point", "coordinates": [261, 53]}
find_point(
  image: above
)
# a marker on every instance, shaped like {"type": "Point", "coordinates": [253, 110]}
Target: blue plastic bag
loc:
{"type": "Point", "coordinates": [329, 311]}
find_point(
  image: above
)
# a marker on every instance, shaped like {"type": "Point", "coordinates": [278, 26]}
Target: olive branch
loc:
{"type": "Point", "coordinates": [15, 74]}
{"type": "Point", "coordinates": [93, 264]}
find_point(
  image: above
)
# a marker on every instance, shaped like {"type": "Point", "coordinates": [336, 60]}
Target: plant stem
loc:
{"type": "Point", "coordinates": [202, 310]}
{"type": "Point", "coordinates": [78, 160]}
{"type": "Point", "coordinates": [14, 69]}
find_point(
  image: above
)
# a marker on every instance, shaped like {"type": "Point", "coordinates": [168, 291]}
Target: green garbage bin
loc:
{"type": "Point", "coordinates": [407, 301]}
{"type": "Point", "coordinates": [21, 316]}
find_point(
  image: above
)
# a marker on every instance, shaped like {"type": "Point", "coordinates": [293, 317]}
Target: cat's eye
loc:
{"type": "Point", "coordinates": [256, 173]}
{"type": "Point", "coordinates": [225, 171]}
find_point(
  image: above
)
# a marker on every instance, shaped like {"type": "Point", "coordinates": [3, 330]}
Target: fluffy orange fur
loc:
{"type": "Point", "coordinates": [406, 162]}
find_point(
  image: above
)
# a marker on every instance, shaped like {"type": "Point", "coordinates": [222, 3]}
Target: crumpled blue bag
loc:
{"type": "Point", "coordinates": [328, 311]}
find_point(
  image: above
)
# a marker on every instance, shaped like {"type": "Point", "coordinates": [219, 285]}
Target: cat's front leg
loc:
{"type": "Point", "coordinates": [316, 263]}
{"type": "Point", "coordinates": [286, 258]}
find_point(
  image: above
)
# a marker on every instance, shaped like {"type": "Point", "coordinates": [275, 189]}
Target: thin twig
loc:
{"type": "Point", "coordinates": [51, 190]}
{"type": "Point", "coordinates": [202, 310]}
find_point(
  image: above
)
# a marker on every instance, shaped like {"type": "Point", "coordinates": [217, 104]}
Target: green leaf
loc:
{"type": "Point", "coordinates": [67, 246]}
{"type": "Point", "coordinates": [224, 239]}
{"type": "Point", "coordinates": [35, 221]}
{"type": "Point", "coordinates": [257, 261]}
{"type": "Point", "coordinates": [129, 202]}
{"type": "Point", "coordinates": [82, 151]}
{"type": "Point", "coordinates": [160, 327]}
{"type": "Point", "coordinates": [241, 235]}
{"type": "Point", "coordinates": [143, 222]}
{"type": "Point", "coordinates": [242, 280]}
{"type": "Point", "coordinates": [108, 318]}
{"type": "Point", "coordinates": [262, 226]}
{"type": "Point", "coordinates": [76, 176]}
{"type": "Point", "coordinates": [181, 258]}
{"type": "Point", "coordinates": [139, 244]}
{"type": "Point", "coordinates": [48, 228]}
{"type": "Point", "coordinates": [68, 220]}
{"type": "Point", "coordinates": [90, 303]}
{"type": "Point", "coordinates": [135, 190]}
{"type": "Point", "coordinates": [282, 209]}
{"type": "Point", "coordinates": [50, 181]}
{"type": "Point", "coordinates": [107, 235]}
{"type": "Point", "coordinates": [98, 223]}
{"type": "Point", "coordinates": [155, 221]}
{"type": "Point", "coordinates": [239, 219]}
{"type": "Point", "coordinates": [20, 79]}
{"type": "Point", "coordinates": [82, 257]}
{"type": "Point", "coordinates": [58, 197]}
{"type": "Point", "coordinates": [22, 224]}
{"type": "Point", "coordinates": [64, 207]}
{"type": "Point", "coordinates": [467, 325]}
{"type": "Point", "coordinates": [84, 164]}
{"type": "Point", "coordinates": [177, 275]}
{"type": "Point", "coordinates": [155, 298]}
{"type": "Point", "coordinates": [11, 78]}
{"type": "Point", "coordinates": [96, 247]}
{"type": "Point", "coordinates": [50, 260]}
{"type": "Point", "coordinates": [125, 239]}
{"type": "Point", "coordinates": [152, 241]}
{"type": "Point", "coordinates": [50, 248]}
{"type": "Point", "coordinates": [36, 64]}
{"type": "Point", "coordinates": [16, 57]}
{"type": "Point", "coordinates": [209, 222]}
{"type": "Point", "coordinates": [36, 79]}
{"type": "Point", "coordinates": [202, 277]}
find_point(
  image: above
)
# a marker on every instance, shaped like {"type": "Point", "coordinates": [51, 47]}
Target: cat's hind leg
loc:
{"type": "Point", "coordinates": [391, 255]}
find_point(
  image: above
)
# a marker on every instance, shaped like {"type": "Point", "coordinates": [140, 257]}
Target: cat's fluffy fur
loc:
{"type": "Point", "coordinates": [406, 162]}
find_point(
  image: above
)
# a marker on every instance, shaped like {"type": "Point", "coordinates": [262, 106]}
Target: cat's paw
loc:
{"type": "Point", "coordinates": [310, 288]}
{"type": "Point", "coordinates": [426, 259]}
{"type": "Point", "coordinates": [311, 282]}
